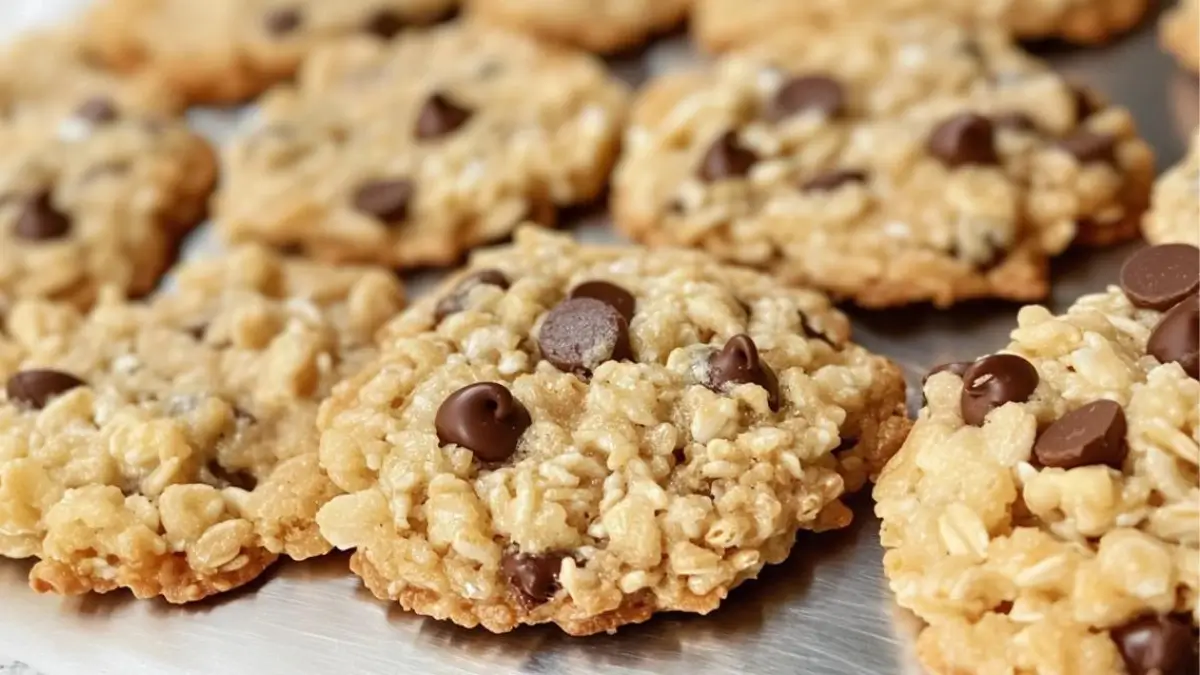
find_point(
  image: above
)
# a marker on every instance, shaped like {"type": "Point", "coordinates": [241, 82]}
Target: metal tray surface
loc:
{"type": "Point", "coordinates": [825, 611]}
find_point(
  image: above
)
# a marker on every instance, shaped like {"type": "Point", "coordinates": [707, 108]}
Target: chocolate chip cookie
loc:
{"type": "Point", "coordinates": [221, 51]}
{"type": "Point", "coordinates": [596, 25]}
{"type": "Point", "coordinates": [587, 436]}
{"type": "Point", "coordinates": [1175, 204]}
{"type": "Point", "coordinates": [410, 154]}
{"type": "Point", "coordinates": [1179, 32]}
{"type": "Point", "coordinates": [723, 24]}
{"type": "Point", "coordinates": [887, 163]}
{"type": "Point", "coordinates": [169, 447]}
{"type": "Point", "coordinates": [1044, 514]}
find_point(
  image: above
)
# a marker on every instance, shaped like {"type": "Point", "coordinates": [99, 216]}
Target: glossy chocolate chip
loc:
{"type": "Point", "coordinates": [385, 200]}
{"type": "Point", "coordinates": [993, 381]}
{"type": "Point", "coordinates": [832, 180]}
{"type": "Point", "coordinates": [959, 368]}
{"type": "Point", "coordinates": [484, 418]}
{"type": "Point", "coordinates": [1087, 436]}
{"type": "Point", "coordinates": [1157, 645]}
{"type": "Point", "coordinates": [97, 110]}
{"type": "Point", "coordinates": [1016, 121]}
{"type": "Point", "coordinates": [440, 116]}
{"type": "Point", "coordinates": [35, 388]}
{"type": "Point", "coordinates": [963, 140]}
{"type": "Point", "coordinates": [1158, 277]}
{"type": "Point", "coordinates": [581, 333]}
{"type": "Point", "coordinates": [726, 158]}
{"type": "Point", "coordinates": [385, 24]}
{"type": "Point", "coordinates": [453, 303]}
{"type": "Point", "coordinates": [738, 363]}
{"type": "Point", "coordinates": [807, 93]}
{"type": "Point", "coordinates": [282, 21]}
{"type": "Point", "coordinates": [1088, 146]}
{"type": "Point", "coordinates": [610, 294]}
{"type": "Point", "coordinates": [1176, 338]}
{"type": "Point", "coordinates": [40, 221]}
{"type": "Point", "coordinates": [533, 577]}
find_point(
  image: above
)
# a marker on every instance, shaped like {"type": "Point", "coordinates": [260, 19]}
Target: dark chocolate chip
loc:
{"type": "Point", "coordinates": [993, 381]}
{"type": "Point", "coordinates": [1087, 436]}
{"type": "Point", "coordinates": [610, 294]}
{"type": "Point", "coordinates": [282, 21]}
{"type": "Point", "coordinates": [581, 333]}
{"type": "Point", "coordinates": [959, 368]}
{"type": "Point", "coordinates": [964, 139]}
{"type": "Point", "coordinates": [1016, 121]}
{"type": "Point", "coordinates": [1088, 146]}
{"type": "Point", "coordinates": [35, 388]}
{"type": "Point", "coordinates": [386, 200]}
{"type": "Point", "coordinates": [1158, 277]}
{"type": "Point", "coordinates": [484, 418]}
{"type": "Point", "coordinates": [726, 158]}
{"type": "Point", "coordinates": [533, 577]}
{"type": "Point", "coordinates": [385, 24]}
{"type": "Point", "coordinates": [1176, 338]}
{"type": "Point", "coordinates": [738, 363]}
{"type": "Point", "coordinates": [440, 116]}
{"type": "Point", "coordinates": [805, 93]}
{"type": "Point", "coordinates": [1157, 645]}
{"type": "Point", "coordinates": [40, 221]}
{"type": "Point", "coordinates": [97, 110]}
{"type": "Point", "coordinates": [238, 478]}
{"type": "Point", "coordinates": [453, 302]}
{"type": "Point", "coordinates": [832, 180]}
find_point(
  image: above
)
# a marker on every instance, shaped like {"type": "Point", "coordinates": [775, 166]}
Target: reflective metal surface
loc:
{"type": "Point", "coordinates": [826, 611]}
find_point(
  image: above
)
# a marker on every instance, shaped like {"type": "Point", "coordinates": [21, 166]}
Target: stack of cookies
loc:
{"type": "Point", "coordinates": [588, 435]}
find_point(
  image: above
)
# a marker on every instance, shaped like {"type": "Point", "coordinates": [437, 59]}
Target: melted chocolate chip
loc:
{"type": "Point", "coordinates": [993, 381]}
{"type": "Point", "coordinates": [1087, 436]}
{"type": "Point", "coordinates": [807, 93]}
{"type": "Point", "coordinates": [1159, 277]}
{"type": "Point", "coordinates": [738, 363]}
{"type": "Point", "coordinates": [440, 116]}
{"type": "Point", "coordinates": [533, 577]}
{"type": "Point", "coordinates": [385, 200]}
{"type": "Point", "coordinates": [36, 388]}
{"type": "Point", "coordinates": [581, 333]}
{"type": "Point", "coordinates": [385, 24]}
{"type": "Point", "coordinates": [610, 294]}
{"type": "Point", "coordinates": [97, 110]}
{"type": "Point", "coordinates": [282, 21]}
{"type": "Point", "coordinates": [1157, 645]}
{"type": "Point", "coordinates": [40, 221]}
{"type": "Point", "coordinates": [1088, 146]}
{"type": "Point", "coordinates": [1176, 338]}
{"type": "Point", "coordinates": [726, 158]}
{"type": "Point", "coordinates": [832, 180]}
{"type": "Point", "coordinates": [453, 303]}
{"type": "Point", "coordinates": [484, 418]}
{"type": "Point", "coordinates": [963, 140]}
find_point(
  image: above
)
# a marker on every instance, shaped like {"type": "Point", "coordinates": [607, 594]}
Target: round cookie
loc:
{"type": "Point", "coordinates": [586, 436]}
{"type": "Point", "coordinates": [1175, 204]}
{"type": "Point", "coordinates": [888, 163]}
{"type": "Point", "coordinates": [1179, 33]}
{"type": "Point", "coordinates": [224, 51]}
{"type": "Point", "coordinates": [1044, 514]}
{"type": "Point", "coordinates": [724, 24]}
{"type": "Point", "coordinates": [603, 26]}
{"type": "Point", "coordinates": [410, 154]}
{"type": "Point", "coordinates": [169, 447]}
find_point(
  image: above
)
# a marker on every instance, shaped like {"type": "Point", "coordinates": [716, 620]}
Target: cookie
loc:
{"type": "Point", "coordinates": [723, 24]}
{"type": "Point", "coordinates": [1044, 514]}
{"type": "Point", "coordinates": [1179, 32]}
{"type": "Point", "coordinates": [1175, 205]}
{"type": "Point", "coordinates": [603, 26]}
{"type": "Point", "coordinates": [587, 436]}
{"type": "Point", "coordinates": [224, 51]}
{"type": "Point", "coordinates": [887, 163]}
{"type": "Point", "coordinates": [410, 154]}
{"type": "Point", "coordinates": [169, 447]}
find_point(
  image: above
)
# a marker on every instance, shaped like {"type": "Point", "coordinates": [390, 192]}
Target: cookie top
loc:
{"type": "Point", "coordinates": [1178, 34]}
{"type": "Point", "coordinates": [94, 194]}
{"type": "Point", "coordinates": [1175, 204]}
{"type": "Point", "coordinates": [410, 154]}
{"type": "Point", "coordinates": [888, 163]}
{"type": "Point", "coordinates": [724, 24]}
{"type": "Point", "coordinates": [1043, 514]}
{"type": "Point", "coordinates": [169, 447]}
{"type": "Point", "coordinates": [586, 435]}
{"type": "Point", "coordinates": [219, 51]}
{"type": "Point", "coordinates": [596, 25]}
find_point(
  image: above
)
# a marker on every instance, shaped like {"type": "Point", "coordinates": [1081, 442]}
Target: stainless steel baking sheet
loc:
{"type": "Point", "coordinates": [826, 611]}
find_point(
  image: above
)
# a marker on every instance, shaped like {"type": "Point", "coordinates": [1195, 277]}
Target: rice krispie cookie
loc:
{"type": "Point", "coordinates": [886, 162]}
{"type": "Point", "coordinates": [1180, 33]}
{"type": "Point", "coordinates": [723, 24]}
{"type": "Point", "coordinates": [1044, 515]}
{"type": "Point", "coordinates": [596, 25]}
{"type": "Point", "coordinates": [1175, 204]}
{"type": "Point", "coordinates": [169, 447]}
{"type": "Point", "coordinates": [410, 154]}
{"type": "Point", "coordinates": [219, 51]}
{"type": "Point", "coordinates": [587, 436]}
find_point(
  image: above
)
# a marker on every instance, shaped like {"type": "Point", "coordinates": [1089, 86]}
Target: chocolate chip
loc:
{"type": "Point", "coordinates": [238, 478]}
{"type": "Point", "coordinates": [1158, 277]}
{"type": "Point", "coordinates": [484, 418]}
{"type": "Point", "coordinates": [533, 577]}
{"type": "Point", "coordinates": [964, 139]}
{"type": "Point", "coordinates": [1157, 645]}
{"type": "Point", "coordinates": [1176, 338]}
{"type": "Point", "coordinates": [40, 221]}
{"type": "Point", "coordinates": [993, 381]}
{"type": "Point", "coordinates": [1088, 146]}
{"type": "Point", "coordinates": [1087, 436]}
{"type": "Point", "coordinates": [386, 200]}
{"type": "Point", "coordinates": [453, 303]}
{"type": "Point", "coordinates": [610, 294]}
{"type": "Point", "coordinates": [832, 180]}
{"type": "Point", "coordinates": [97, 110]}
{"type": "Point", "coordinates": [35, 388]}
{"type": "Point", "coordinates": [282, 20]}
{"type": "Point", "coordinates": [440, 116]}
{"type": "Point", "coordinates": [385, 24]}
{"type": "Point", "coordinates": [809, 92]}
{"type": "Point", "coordinates": [738, 363]}
{"type": "Point", "coordinates": [581, 333]}
{"type": "Point", "coordinates": [726, 158]}
{"type": "Point", "coordinates": [1016, 121]}
{"type": "Point", "coordinates": [959, 368]}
